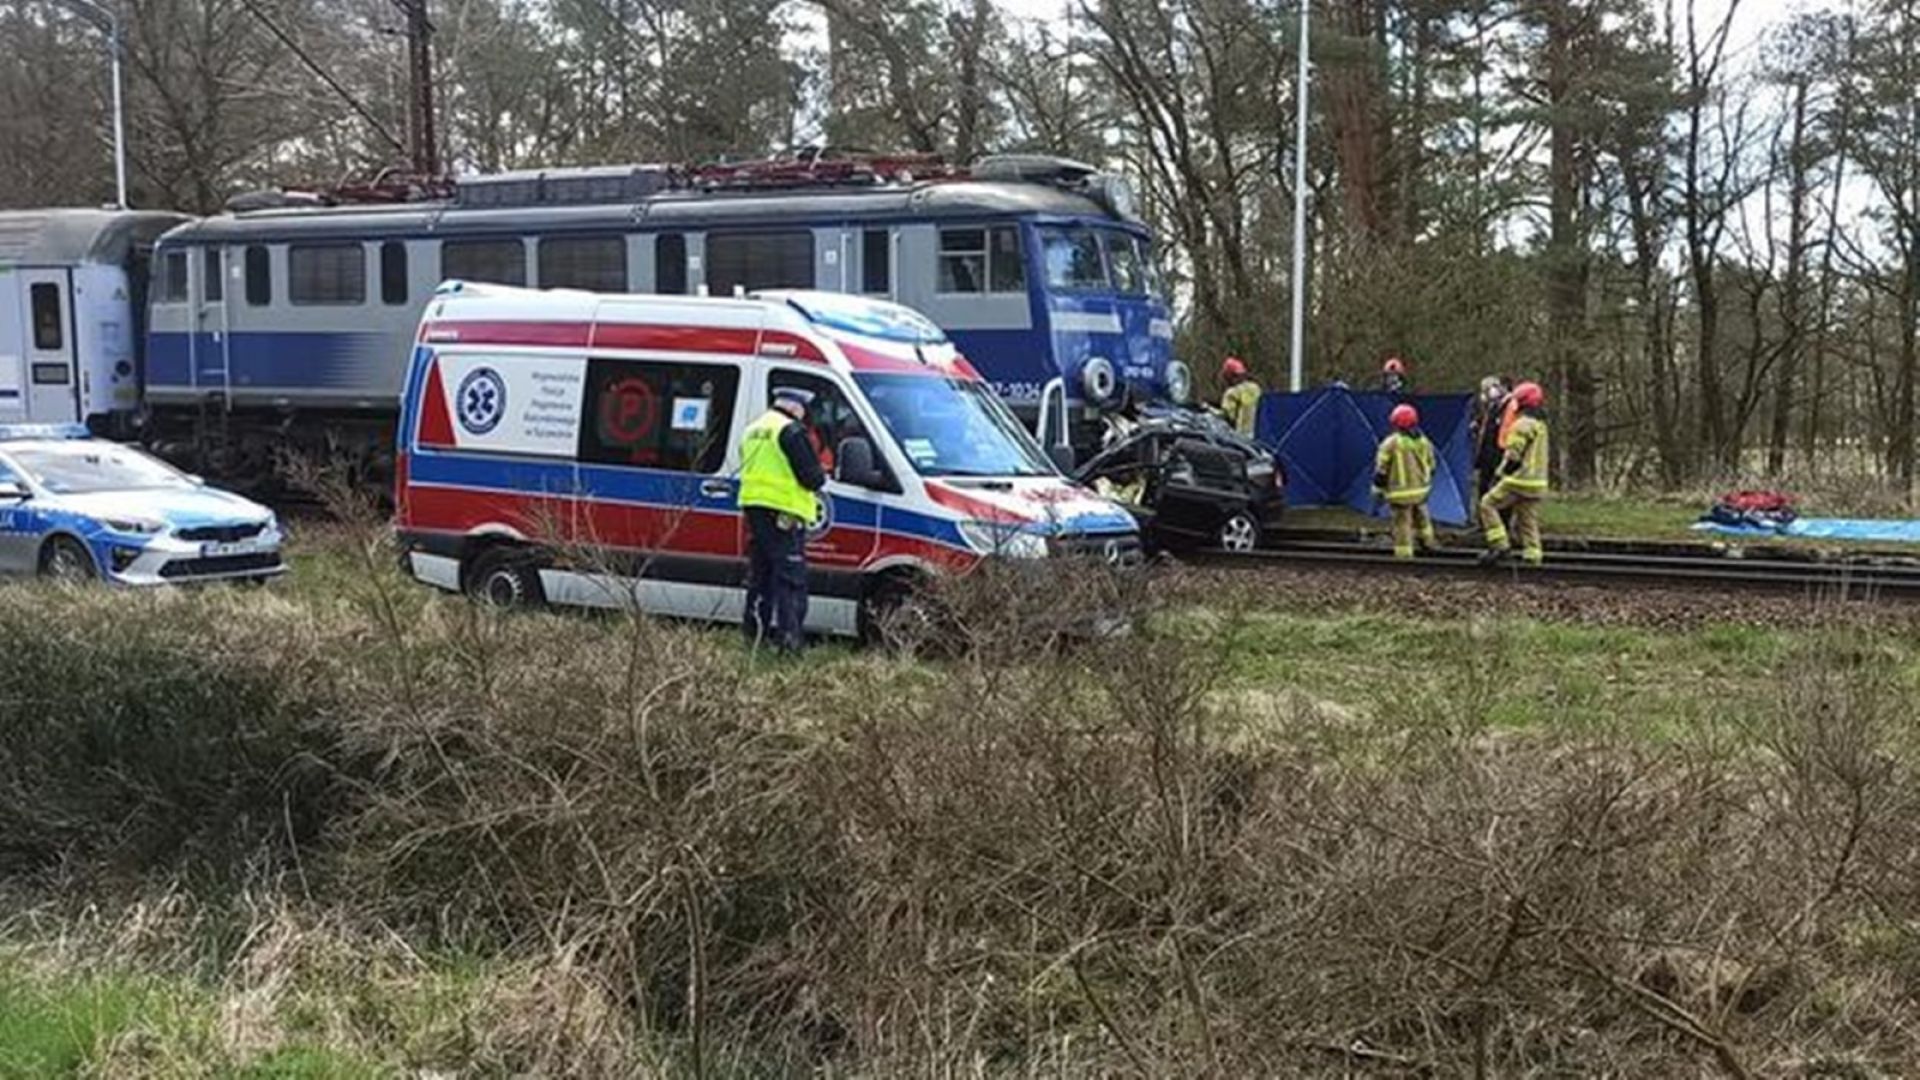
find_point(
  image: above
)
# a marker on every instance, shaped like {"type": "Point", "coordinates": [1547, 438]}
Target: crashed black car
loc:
{"type": "Point", "coordinates": [1191, 481]}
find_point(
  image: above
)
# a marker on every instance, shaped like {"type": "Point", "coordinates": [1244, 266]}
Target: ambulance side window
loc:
{"type": "Point", "coordinates": [829, 420]}
{"type": "Point", "coordinates": [650, 415]}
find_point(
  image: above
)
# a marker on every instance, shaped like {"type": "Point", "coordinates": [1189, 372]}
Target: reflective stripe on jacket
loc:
{"type": "Point", "coordinates": [1525, 468]}
{"type": "Point", "coordinates": [766, 476]}
{"type": "Point", "coordinates": [1241, 403]}
{"type": "Point", "coordinates": [1405, 463]}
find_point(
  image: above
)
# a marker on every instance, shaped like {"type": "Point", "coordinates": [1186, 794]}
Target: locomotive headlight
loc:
{"type": "Point", "coordinates": [1179, 382]}
{"type": "Point", "coordinates": [1118, 194]}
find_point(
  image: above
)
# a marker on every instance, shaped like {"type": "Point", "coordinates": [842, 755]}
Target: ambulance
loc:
{"type": "Point", "coordinates": [582, 449]}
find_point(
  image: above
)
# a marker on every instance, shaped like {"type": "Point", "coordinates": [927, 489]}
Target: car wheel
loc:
{"type": "Point", "coordinates": [64, 559]}
{"type": "Point", "coordinates": [505, 578]}
{"type": "Point", "coordinates": [1240, 532]}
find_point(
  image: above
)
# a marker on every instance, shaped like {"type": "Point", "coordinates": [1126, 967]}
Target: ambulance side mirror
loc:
{"type": "Point", "coordinates": [854, 463]}
{"type": "Point", "coordinates": [1063, 457]}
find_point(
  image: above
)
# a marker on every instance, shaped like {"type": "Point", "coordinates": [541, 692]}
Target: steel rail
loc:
{"type": "Point", "coordinates": [1844, 579]}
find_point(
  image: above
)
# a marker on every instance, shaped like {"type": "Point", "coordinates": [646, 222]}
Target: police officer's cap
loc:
{"type": "Point", "coordinates": [802, 398]}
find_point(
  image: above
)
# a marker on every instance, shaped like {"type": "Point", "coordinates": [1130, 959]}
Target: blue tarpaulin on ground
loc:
{"type": "Point", "coordinates": [1870, 529]}
{"type": "Point", "coordinates": [1326, 439]}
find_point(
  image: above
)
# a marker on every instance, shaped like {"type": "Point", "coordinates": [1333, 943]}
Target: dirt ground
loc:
{"type": "Point", "coordinates": [1316, 589]}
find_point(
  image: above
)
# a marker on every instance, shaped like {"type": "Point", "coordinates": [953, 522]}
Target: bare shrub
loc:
{"type": "Point", "coordinates": [1049, 850]}
{"type": "Point", "coordinates": [141, 730]}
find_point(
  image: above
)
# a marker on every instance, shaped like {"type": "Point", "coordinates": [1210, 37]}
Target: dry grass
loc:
{"type": "Point", "coordinates": [610, 846]}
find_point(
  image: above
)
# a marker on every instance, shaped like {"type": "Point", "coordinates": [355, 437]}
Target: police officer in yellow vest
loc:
{"type": "Point", "coordinates": [1403, 475]}
{"type": "Point", "coordinates": [1522, 480]}
{"type": "Point", "coordinates": [779, 474]}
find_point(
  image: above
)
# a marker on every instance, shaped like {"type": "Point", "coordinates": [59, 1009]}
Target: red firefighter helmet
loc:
{"type": "Point", "coordinates": [1394, 366]}
{"type": "Point", "coordinates": [1528, 395]}
{"type": "Point", "coordinates": [1232, 368]}
{"type": "Point", "coordinates": [1404, 418]}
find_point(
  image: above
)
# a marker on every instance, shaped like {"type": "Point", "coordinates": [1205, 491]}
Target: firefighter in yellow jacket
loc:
{"type": "Point", "coordinates": [1403, 475]}
{"type": "Point", "coordinates": [1522, 480]}
{"type": "Point", "coordinates": [1240, 404]}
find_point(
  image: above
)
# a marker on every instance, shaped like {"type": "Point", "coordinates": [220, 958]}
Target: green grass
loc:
{"type": "Point", "coordinates": [105, 1022]}
{"type": "Point", "coordinates": [305, 1063]}
{"type": "Point", "coordinates": [54, 1030]}
{"type": "Point", "coordinates": [116, 1022]}
{"type": "Point", "coordinates": [1612, 517]}
{"type": "Point", "coordinates": [1528, 673]}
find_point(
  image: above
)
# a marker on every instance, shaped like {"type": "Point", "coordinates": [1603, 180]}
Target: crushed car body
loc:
{"type": "Point", "coordinates": [1189, 479]}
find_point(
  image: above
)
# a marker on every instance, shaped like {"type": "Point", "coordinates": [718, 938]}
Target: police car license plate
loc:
{"type": "Point", "coordinates": [237, 547]}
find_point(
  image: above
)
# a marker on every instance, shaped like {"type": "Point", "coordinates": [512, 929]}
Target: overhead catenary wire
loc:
{"type": "Point", "coordinates": [324, 75]}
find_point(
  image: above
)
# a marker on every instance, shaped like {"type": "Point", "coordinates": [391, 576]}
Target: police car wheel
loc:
{"type": "Point", "coordinates": [505, 579]}
{"type": "Point", "coordinates": [1241, 532]}
{"type": "Point", "coordinates": [63, 559]}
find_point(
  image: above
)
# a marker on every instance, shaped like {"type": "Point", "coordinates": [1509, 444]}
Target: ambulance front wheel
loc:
{"type": "Point", "coordinates": [504, 577]}
{"type": "Point", "coordinates": [900, 614]}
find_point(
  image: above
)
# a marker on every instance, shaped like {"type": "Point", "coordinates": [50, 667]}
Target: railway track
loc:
{"type": "Point", "coordinates": [1862, 577]}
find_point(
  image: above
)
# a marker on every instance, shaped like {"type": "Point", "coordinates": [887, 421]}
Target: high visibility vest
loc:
{"type": "Point", "coordinates": [1527, 447]}
{"type": "Point", "coordinates": [1407, 463]}
{"type": "Point", "coordinates": [766, 476]}
{"type": "Point", "coordinates": [1509, 416]}
{"type": "Point", "coordinates": [1241, 403]}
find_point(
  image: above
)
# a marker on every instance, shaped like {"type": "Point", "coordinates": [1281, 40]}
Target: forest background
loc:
{"type": "Point", "coordinates": [1698, 223]}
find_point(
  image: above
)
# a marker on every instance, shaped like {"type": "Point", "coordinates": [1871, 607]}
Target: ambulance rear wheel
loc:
{"type": "Point", "coordinates": [505, 578]}
{"type": "Point", "coordinates": [64, 559]}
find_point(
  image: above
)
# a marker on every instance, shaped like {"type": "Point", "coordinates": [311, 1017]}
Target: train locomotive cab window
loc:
{"type": "Point", "coordinates": [393, 272]}
{"type": "Point", "coordinates": [259, 277]}
{"type": "Point", "coordinates": [170, 278]}
{"type": "Point", "coordinates": [830, 418]}
{"type": "Point", "coordinates": [1125, 262]}
{"type": "Point", "coordinates": [650, 415]}
{"type": "Point", "coordinates": [213, 283]}
{"type": "Point", "coordinates": [749, 261]}
{"type": "Point", "coordinates": [593, 263]}
{"type": "Point", "coordinates": [1073, 259]}
{"type": "Point", "coordinates": [1156, 281]}
{"type": "Point", "coordinates": [49, 331]}
{"type": "Point", "coordinates": [327, 274]}
{"type": "Point", "coordinates": [502, 262]}
{"type": "Point", "coordinates": [977, 260]}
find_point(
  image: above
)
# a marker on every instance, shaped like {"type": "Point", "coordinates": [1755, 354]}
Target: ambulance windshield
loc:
{"type": "Point", "coordinates": [953, 427]}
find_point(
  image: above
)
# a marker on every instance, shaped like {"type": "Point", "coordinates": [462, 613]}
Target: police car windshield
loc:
{"type": "Point", "coordinates": [953, 427]}
{"type": "Point", "coordinates": [80, 468]}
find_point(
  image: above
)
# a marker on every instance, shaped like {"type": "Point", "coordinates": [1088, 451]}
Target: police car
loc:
{"type": "Point", "coordinates": [77, 508]}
